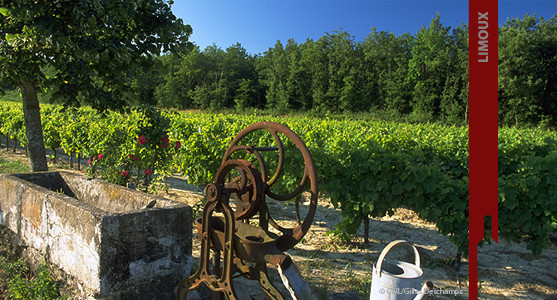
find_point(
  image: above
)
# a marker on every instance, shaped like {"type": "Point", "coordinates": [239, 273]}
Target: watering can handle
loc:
{"type": "Point", "coordinates": [388, 248]}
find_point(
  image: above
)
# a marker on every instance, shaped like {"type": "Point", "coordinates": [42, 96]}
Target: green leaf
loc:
{"type": "Point", "coordinates": [92, 22]}
{"type": "Point", "coordinates": [4, 11]}
{"type": "Point", "coordinates": [510, 202]}
{"type": "Point", "coordinates": [11, 38]}
{"type": "Point", "coordinates": [397, 189]}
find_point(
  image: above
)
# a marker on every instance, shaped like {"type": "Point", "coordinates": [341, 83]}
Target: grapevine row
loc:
{"type": "Point", "coordinates": [365, 168]}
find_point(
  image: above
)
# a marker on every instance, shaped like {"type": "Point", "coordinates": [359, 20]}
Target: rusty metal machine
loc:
{"type": "Point", "coordinates": [239, 193]}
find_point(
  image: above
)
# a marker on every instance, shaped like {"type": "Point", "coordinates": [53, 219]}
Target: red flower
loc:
{"type": "Point", "coordinates": [178, 145]}
{"type": "Point", "coordinates": [164, 141]}
{"type": "Point", "coordinates": [125, 173]}
{"type": "Point", "coordinates": [89, 161]}
{"type": "Point", "coordinates": [100, 156]}
{"type": "Point", "coordinates": [147, 172]}
{"type": "Point", "coordinates": [142, 140]}
{"type": "Point", "coordinates": [134, 157]}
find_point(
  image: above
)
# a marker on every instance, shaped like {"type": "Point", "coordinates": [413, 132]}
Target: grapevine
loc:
{"type": "Point", "coordinates": [365, 168]}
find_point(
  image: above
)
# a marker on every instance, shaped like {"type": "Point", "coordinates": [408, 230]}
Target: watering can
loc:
{"type": "Point", "coordinates": [397, 280]}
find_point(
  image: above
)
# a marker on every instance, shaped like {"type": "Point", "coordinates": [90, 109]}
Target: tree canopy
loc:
{"type": "Point", "coordinates": [87, 48]}
{"type": "Point", "coordinates": [419, 77]}
{"type": "Point", "coordinates": [93, 46]}
{"type": "Point", "coordinates": [528, 71]}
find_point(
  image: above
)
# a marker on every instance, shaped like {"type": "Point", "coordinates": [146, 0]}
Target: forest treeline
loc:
{"type": "Point", "coordinates": [423, 76]}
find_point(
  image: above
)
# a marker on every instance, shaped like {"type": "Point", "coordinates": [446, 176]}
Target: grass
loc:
{"type": "Point", "coordinates": [359, 284]}
{"type": "Point", "coordinates": [355, 282]}
{"type": "Point", "coordinates": [18, 281]}
{"type": "Point", "coordinates": [8, 166]}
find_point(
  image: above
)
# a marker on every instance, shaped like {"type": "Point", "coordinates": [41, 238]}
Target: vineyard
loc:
{"type": "Point", "coordinates": [365, 168]}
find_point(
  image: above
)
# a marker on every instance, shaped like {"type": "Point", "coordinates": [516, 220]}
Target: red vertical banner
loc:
{"type": "Point", "coordinates": [483, 128]}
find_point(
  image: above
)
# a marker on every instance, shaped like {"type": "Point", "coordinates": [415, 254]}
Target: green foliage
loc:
{"type": "Point", "coordinates": [246, 93]}
{"type": "Point", "coordinates": [11, 121]}
{"type": "Point", "coordinates": [51, 125]}
{"type": "Point", "coordinates": [13, 96]}
{"type": "Point", "coordinates": [527, 68]}
{"type": "Point", "coordinates": [134, 147]}
{"type": "Point", "coordinates": [179, 76]}
{"type": "Point", "coordinates": [366, 168]}
{"type": "Point", "coordinates": [84, 51]}
{"type": "Point", "coordinates": [111, 136]}
{"type": "Point", "coordinates": [420, 77]}
{"type": "Point", "coordinates": [386, 59]}
{"type": "Point", "coordinates": [75, 129]}
{"type": "Point", "coordinates": [209, 79]}
{"type": "Point", "coordinates": [528, 186]}
{"type": "Point", "coordinates": [91, 45]}
{"type": "Point", "coordinates": [428, 67]}
{"type": "Point", "coordinates": [11, 167]}
{"type": "Point", "coordinates": [18, 282]}
{"type": "Point", "coordinates": [454, 98]}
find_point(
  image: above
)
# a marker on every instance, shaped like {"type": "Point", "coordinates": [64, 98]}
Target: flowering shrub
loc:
{"type": "Point", "coordinates": [134, 149]}
{"type": "Point", "coordinates": [164, 142]}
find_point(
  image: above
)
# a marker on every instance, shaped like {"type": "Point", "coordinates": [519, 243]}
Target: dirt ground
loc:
{"type": "Point", "coordinates": [343, 271]}
{"type": "Point", "coordinates": [505, 270]}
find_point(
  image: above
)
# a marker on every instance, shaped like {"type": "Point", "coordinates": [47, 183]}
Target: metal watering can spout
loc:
{"type": "Point", "coordinates": [422, 294]}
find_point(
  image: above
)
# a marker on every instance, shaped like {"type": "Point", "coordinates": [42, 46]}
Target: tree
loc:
{"type": "Point", "coordinates": [143, 85]}
{"type": "Point", "coordinates": [428, 67]}
{"type": "Point", "coordinates": [240, 75]}
{"type": "Point", "coordinates": [344, 81]}
{"type": "Point", "coordinates": [386, 59]}
{"type": "Point", "coordinates": [299, 80]}
{"type": "Point", "coordinates": [527, 71]}
{"type": "Point", "coordinates": [92, 44]}
{"type": "Point", "coordinates": [316, 56]}
{"type": "Point", "coordinates": [212, 92]}
{"type": "Point", "coordinates": [181, 75]}
{"type": "Point", "coordinates": [454, 100]}
{"type": "Point", "coordinates": [273, 68]}
{"type": "Point", "coordinates": [245, 94]}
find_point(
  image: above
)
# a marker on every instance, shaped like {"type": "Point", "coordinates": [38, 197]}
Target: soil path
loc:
{"type": "Point", "coordinates": [506, 270]}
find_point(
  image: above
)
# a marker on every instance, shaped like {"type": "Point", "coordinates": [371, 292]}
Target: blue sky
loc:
{"type": "Point", "coordinates": [258, 24]}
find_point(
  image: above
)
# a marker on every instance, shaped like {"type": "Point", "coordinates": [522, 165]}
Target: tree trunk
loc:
{"type": "Point", "coordinates": [466, 113]}
{"type": "Point", "coordinates": [33, 127]}
{"type": "Point", "coordinates": [55, 155]}
{"type": "Point", "coordinates": [366, 230]}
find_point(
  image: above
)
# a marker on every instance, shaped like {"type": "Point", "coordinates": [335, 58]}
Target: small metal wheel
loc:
{"type": "Point", "coordinates": [246, 185]}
